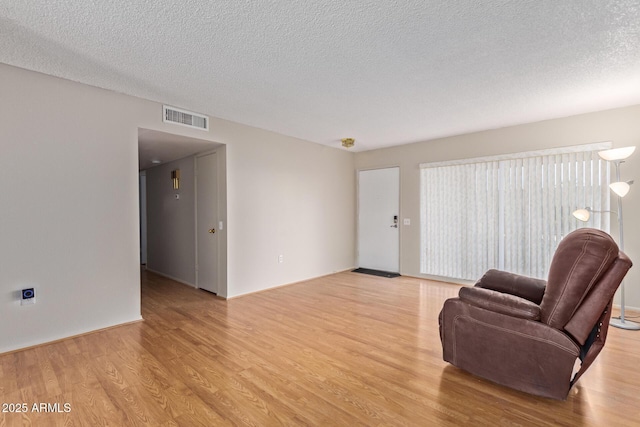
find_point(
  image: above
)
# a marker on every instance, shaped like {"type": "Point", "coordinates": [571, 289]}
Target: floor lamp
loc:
{"type": "Point", "coordinates": [620, 188]}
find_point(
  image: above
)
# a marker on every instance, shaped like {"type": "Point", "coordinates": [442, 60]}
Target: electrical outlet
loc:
{"type": "Point", "coordinates": [407, 221]}
{"type": "Point", "coordinates": [28, 296]}
{"type": "Point", "coordinates": [280, 259]}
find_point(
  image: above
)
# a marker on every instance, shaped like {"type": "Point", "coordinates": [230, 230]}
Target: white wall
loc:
{"type": "Point", "coordinates": [69, 215]}
{"type": "Point", "coordinates": [69, 218]}
{"type": "Point", "coordinates": [621, 126]}
{"type": "Point", "coordinates": [223, 260]}
{"type": "Point", "coordinates": [292, 198]}
{"type": "Point", "coordinates": [171, 222]}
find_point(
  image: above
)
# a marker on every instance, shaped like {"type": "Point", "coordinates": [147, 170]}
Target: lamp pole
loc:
{"type": "Point", "coordinates": [621, 323]}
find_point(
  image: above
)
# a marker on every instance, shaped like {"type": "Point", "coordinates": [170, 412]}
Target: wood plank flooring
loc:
{"type": "Point", "coordinates": [343, 350]}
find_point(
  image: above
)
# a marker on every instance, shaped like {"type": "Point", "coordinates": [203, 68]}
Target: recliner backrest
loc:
{"type": "Point", "coordinates": [579, 263]}
{"type": "Point", "coordinates": [592, 306]}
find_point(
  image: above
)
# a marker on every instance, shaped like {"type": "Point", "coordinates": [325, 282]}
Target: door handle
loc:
{"type": "Point", "coordinates": [212, 230]}
{"type": "Point", "coordinates": [394, 226]}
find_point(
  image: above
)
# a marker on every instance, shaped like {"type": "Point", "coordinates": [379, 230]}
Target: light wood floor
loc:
{"type": "Point", "coordinates": [344, 350]}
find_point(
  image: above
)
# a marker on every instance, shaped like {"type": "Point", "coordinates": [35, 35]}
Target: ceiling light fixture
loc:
{"type": "Point", "coordinates": [348, 142]}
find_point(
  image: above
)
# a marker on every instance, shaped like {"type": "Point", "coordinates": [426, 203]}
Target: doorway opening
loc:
{"type": "Point", "coordinates": [170, 175]}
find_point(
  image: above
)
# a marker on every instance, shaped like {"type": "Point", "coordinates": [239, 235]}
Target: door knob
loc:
{"type": "Point", "coordinates": [212, 230]}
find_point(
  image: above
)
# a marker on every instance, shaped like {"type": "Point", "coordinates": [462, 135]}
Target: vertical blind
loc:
{"type": "Point", "coordinates": [507, 213]}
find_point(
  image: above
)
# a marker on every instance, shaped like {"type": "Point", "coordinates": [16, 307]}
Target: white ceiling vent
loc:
{"type": "Point", "coordinates": [184, 118]}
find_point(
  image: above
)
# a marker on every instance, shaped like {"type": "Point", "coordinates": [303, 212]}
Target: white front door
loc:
{"type": "Point", "coordinates": [378, 219]}
{"type": "Point", "coordinates": [207, 223]}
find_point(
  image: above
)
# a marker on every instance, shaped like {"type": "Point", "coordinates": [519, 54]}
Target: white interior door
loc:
{"type": "Point", "coordinates": [378, 219]}
{"type": "Point", "coordinates": [207, 223]}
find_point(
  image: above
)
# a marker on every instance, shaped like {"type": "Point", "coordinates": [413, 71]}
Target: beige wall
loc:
{"type": "Point", "coordinates": [69, 217]}
{"type": "Point", "coordinates": [171, 224]}
{"type": "Point", "coordinates": [621, 126]}
{"type": "Point", "coordinates": [290, 198]}
{"type": "Point", "coordinates": [68, 223]}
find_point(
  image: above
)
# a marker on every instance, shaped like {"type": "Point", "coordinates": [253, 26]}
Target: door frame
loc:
{"type": "Point", "coordinates": [400, 222]}
{"type": "Point", "coordinates": [142, 215]}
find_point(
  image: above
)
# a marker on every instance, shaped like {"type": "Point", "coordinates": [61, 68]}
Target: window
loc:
{"type": "Point", "coordinates": [507, 212]}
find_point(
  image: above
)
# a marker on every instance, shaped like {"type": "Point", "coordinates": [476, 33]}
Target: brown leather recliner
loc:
{"type": "Point", "coordinates": [526, 333]}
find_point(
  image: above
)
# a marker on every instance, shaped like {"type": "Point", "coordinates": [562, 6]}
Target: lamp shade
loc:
{"type": "Point", "coordinates": [582, 214]}
{"type": "Point", "coordinates": [617, 153]}
{"type": "Point", "coordinates": [620, 188]}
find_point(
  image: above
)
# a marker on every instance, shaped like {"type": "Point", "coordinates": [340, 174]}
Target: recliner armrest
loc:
{"type": "Point", "coordinates": [521, 286]}
{"type": "Point", "coordinates": [500, 302]}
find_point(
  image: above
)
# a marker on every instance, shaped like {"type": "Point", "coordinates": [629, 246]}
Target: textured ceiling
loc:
{"type": "Point", "coordinates": [382, 72]}
{"type": "Point", "coordinates": [161, 147]}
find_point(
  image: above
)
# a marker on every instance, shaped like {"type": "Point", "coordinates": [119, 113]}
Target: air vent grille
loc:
{"type": "Point", "coordinates": [185, 118]}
